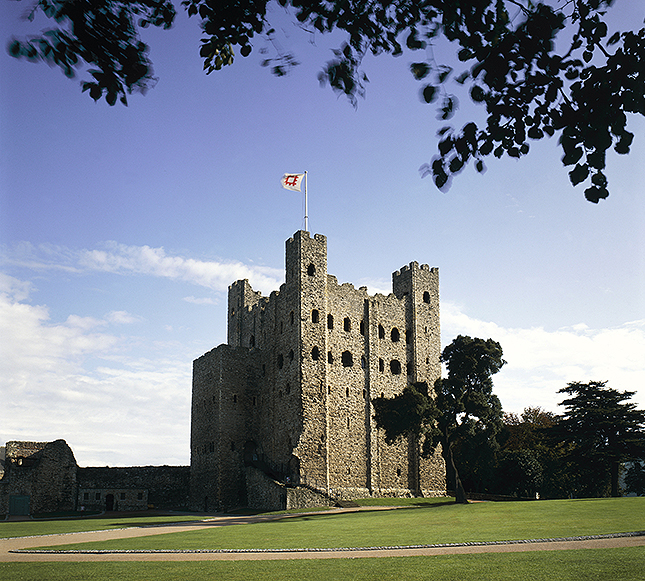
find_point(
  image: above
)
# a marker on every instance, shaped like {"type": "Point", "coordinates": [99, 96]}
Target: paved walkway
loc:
{"type": "Point", "coordinates": [15, 544]}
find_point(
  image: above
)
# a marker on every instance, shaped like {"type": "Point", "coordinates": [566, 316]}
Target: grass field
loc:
{"type": "Point", "coordinates": [430, 522]}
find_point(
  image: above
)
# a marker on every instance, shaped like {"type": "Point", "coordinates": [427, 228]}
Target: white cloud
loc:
{"type": "Point", "coordinates": [201, 301]}
{"type": "Point", "coordinates": [125, 410]}
{"type": "Point", "coordinates": [119, 258]}
{"type": "Point", "coordinates": [540, 362]}
{"type": "Point", "coordinates": [123, 259]}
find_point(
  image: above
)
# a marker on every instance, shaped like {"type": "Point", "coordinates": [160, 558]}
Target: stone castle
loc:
{"type": "Point", "coordinates": [282, 414]}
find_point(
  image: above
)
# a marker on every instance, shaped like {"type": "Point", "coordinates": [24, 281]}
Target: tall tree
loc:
{"type": "Point", "coordinates": [603, 430]}
{"type": "Point", "coordinates": [537, 68]}
{"type": "Point", "coordinates": [463, 409]}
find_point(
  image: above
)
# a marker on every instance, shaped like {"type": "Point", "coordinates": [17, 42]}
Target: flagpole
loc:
{"type": "Point", "coordinates": [306, 208]}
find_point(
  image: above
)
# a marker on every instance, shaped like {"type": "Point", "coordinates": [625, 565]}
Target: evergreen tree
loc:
{"type": "Point", "coordinates": [601, 430]}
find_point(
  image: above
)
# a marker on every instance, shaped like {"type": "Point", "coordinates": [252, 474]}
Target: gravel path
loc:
{"type": "Point", "coordinates": [26, 543]}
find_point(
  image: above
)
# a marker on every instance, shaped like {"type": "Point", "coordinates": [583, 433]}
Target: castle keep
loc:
{"type": "Point", "coordinates": [282, 414]}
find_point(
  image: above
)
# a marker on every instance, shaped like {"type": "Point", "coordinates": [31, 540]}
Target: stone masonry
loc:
{"type": "Point", "coordinates": [289, 396]}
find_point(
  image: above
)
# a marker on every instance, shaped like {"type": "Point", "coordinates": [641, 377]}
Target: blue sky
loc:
{"type": "Point", "coordinates": [122, 227]}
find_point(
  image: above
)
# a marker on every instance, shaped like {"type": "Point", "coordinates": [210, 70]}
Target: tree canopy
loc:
{"type": "Point", "coordinates": [462, 410]}
{"type": "Point", "coordinates": [602, 430]}
{"type": "Point", "coordinates": [538, 68]}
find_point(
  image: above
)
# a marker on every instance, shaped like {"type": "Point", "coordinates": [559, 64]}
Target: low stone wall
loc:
{"type": "Point", "coordinates": [143, 486]}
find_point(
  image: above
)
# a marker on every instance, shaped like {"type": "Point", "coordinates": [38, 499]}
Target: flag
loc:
{"type": "Point", "coordinates": [292, 181]}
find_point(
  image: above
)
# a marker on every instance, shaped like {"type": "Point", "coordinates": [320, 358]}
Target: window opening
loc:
{"type": "Point", "coordinates": [252, 341]}
{"type": "Point", "coordinates": [381, 365]}
{"type": "Point", "coordinates": [330, 321]}
{"type": "Point", "coordinates": [395, 367]}
{"type": "Point", "coordinates": [363, 362]}
{"type": "Point", "coordinates": [362, 328]}
{"type": "Point", "coordinates": [280, 361]}
{"type": "Point", "coordinates": [381, 332]}
{"type": "Point", "coordinates": [408, 336]}
{"type": "Point", "coordinates": [311, 270]}
{"type": "Point", "coordinates": [330, 357]}
{"type": "Point", "coordinates": [315, 353]}
{"type": "Point", "coordinates": [291, 317]}
{"type": "Point", "coordinates": [291, 355]}
{"type": "Point", "coordinates": [426, 297]}
{"type": "Point", "coordinates": [347, 359]}
{"type": "Point", "coordinates": [314, 316]}
{"type": "Point", "coordinates": [347, 324]}
{"type": "Point", "coordinates": [395, 335]}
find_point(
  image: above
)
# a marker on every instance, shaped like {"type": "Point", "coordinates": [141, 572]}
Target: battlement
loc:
{"type": "Point", "coordinates": [296, 381]}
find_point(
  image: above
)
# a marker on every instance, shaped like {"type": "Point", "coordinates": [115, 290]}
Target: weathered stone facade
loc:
{"type": "Point", "coordinates": [43, 477]}
{"type": "Point", "coordinates": [290, 394]}
{"type": "Point", "coordinates": [39, 477]}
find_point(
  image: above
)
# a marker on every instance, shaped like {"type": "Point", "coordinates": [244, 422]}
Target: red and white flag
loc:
{"type": "Point", "coordinates": [292, 181]}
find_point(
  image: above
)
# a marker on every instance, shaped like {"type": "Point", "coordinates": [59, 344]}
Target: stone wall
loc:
{"type": "Point", "coordinates": [133, 488]}
{"type": "Point", "coordinates": [295, 384]}
{"type": "Point", "coordinates": [42, 475]}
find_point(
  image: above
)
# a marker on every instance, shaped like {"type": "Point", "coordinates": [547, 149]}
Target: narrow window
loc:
{"type": "Point", "coordinates": [398, 472]}
{"type": "Point", "coordinates": [362, 328]}
{"type": "Point", "coordinates": [330, 321]}
{"type": "Point", "coordinates": [123, 496]}
{"type": "Point", "coordinates": [347, 392]}
{"type": "Point", "coordinates": [395, 367]}
{"type": "Point", "coordinates": [364, 394]}
{"type": "Point", "coordinates": [86, 496]}
{"type": "Point", "coordinates": [280, 361]}
{"type": "Point", "coordinates": [232, 446]}
{"type": "Point", "coordinates": [347, 359]}
{"type": "Point", "coordinates": [234, 398]}
{"type": "Point", "coordinates": [311, 270]}
{"type": "Point", "coordinates": [314, 316]}
{"type": "Point", "coordinates": [347, 324]}
{"type": "Point", "coordinates": [363, 362]}
{"type": "Point", "coordinates": [348, 429]}
{"type": "Point", "coordinates": [291, 355]}
{"type": "Point", "coordinates": [291, 317]}
{"type": "Point", "coordinates": [426, 297]}
{"type": "Point", "coordinates": [252, 341]}
{"type": "Point", "coordinates": [140, 496]}
{"type": "Point", "coordinates": [98, 496]}
{"type": "Point", "coordinates": [381, 332]}
{"type": "Point", "coordinates": [287, 389]}
{"type": "Point", "coordinates": [395, 335]}
{"type": "Point", "coordinates": [330, 357]}
{"type": "Point", "coordinates": [315, 353]}
{"type": "Point", "coordinates": [381, 365]}
{"type": "Point", "coordinates": [211, 446]}
{"type": "Point", "coordinates": [281, 327]}
{"type": "Point", "coordinates": [408, 336]}
{"type": "Point", "coordinates": [254, 400]}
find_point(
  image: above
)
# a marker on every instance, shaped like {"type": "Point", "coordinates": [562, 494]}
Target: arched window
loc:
{"type": "Point", "coordinates": [315, 353]}
{"type": "Point", "coordinates": [330, 321]}
{"type": "Point", "coordinates": [314, 316]}
{"type": "Point", "coordinates": [381, 332]}
{"type": "Point", "coordinates": [347, 359]}
{"type": "Point", "coordinates": [347, 324]}
{"type": "Point", "coordinates": [395, 367]}
{"type": "Point", "coordinates": [395, 335]}
{"type": "Point", "coordinates": [311, 270]}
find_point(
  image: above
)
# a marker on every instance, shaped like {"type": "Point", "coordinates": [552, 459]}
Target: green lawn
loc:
{"type": "Point", "coordinates": [575, 565]}
{"type": "Point", "coordinates": [433, 522]}
{"type": "Point", "coordinates": [76, 525]}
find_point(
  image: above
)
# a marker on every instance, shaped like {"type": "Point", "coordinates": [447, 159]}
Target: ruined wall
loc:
{"type": "Point", "coordinates": [42, 473]}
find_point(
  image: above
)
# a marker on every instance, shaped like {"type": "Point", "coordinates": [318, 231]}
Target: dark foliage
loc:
{"type": "Point", "coordinates": [582, 87]}
{"type": "Point", "coordinates": [600, 430]}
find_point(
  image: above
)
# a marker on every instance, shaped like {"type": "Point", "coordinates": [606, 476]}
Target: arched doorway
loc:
{"type": "Point", "coordinates": [109, 502]}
